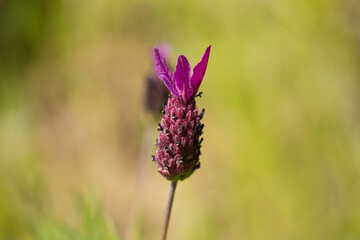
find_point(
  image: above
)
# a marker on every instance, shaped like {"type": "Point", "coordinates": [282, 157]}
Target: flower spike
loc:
{"type": "Point", "coordinates": [178, 144]}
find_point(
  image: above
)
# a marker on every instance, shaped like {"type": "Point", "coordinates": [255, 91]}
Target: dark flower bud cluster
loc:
{"type": "Point", "coordinates": [178, 143]}
{"type": "Point", "coordinates": [155, 94]}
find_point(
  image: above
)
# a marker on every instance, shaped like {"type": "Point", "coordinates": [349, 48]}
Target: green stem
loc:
{"type": "Point", "coordinates": [168, 209]}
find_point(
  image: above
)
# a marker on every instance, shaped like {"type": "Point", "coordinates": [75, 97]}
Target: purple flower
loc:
{"type": "Point", "coordinates": [178, 144]}
{"type": "Point", "coordinates": [182, 83]}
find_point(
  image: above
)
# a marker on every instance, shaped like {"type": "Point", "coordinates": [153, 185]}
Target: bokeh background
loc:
{"type": "Point", "coordinates": [281, 155]}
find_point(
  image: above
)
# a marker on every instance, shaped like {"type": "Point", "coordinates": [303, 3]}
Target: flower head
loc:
{"type": "Point", "coordinates": [178, 144]}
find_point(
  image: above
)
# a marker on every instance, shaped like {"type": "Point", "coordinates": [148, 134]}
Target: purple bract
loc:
{"type": "Point", "coordinates": [182, 83]}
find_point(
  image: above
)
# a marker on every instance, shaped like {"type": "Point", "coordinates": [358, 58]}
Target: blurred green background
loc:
{"type": "Point", "coordinates": [281, 155]}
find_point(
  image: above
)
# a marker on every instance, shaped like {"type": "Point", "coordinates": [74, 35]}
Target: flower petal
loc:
{"type": "Point", "coordinates": [182, 77]}
{"type": "Point", "coordinates": [164, 72]}
{"type": "Point", "coordinates": [199, 71]}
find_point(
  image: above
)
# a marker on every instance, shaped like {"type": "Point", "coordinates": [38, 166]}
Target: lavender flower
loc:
{"type": "Point", "coordinates": [178, 144]}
